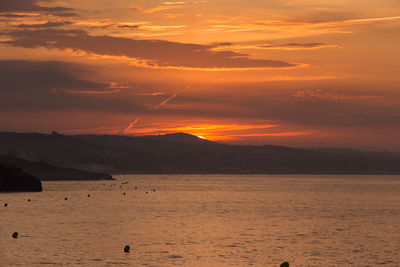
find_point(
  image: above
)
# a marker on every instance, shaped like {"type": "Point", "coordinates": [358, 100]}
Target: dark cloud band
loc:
{"type": "Point", "coordinates": [157, 53]}
{"type": "Point", "coordinates": [32, 6]}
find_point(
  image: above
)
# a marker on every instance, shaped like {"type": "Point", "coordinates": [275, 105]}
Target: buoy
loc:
{"type": "Point", "coordinates": [127, 248]}
{"type": "Point", "coordinates": [15, 235]}
{"type": "Point", "coordinates": [285, 264]}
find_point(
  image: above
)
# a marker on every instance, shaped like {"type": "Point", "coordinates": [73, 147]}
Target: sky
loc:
{"type": "Point", "coordinates": [302, 73]}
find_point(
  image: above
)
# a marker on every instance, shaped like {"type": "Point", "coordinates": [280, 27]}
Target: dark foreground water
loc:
{"type": "Point", "coordinates": [205, 220]}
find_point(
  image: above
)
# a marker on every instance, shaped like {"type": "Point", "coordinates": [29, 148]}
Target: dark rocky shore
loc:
{"type": "Point", "coordinates": [13, 179]}
{"type": "Point", "coordinates": [47, 172]}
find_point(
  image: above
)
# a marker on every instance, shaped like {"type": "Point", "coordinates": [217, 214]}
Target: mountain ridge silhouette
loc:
{"type": "Point", "coordinates": [184, 153]}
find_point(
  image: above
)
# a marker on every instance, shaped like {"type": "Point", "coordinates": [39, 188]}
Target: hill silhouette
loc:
{"type": "Point", "coordinates": [184, 153]}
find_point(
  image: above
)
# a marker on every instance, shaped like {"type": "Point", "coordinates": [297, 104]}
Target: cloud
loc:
{"type": "Point", "coordinates": [212, 130]}
{"type": "Point", "coordinates": [173, 16]}
{"type": "Point", "coordinates": [150, 94]}
{"type": "Point", "coordinates": [48, 24]}
{"type": "Point", "coordinates": [147, 53]}
{"type": "Point", "coordinates": [281, 29]}
{"type": "Point", "coordinates": [279, 105]}
{"type": "Point", "coordinates": [217, 131]}
{"type": "Point", "coordinates": [46, 87]}
{"type": "Point", "coordinates": [164, 7]}
{"type": "Point", "coordinates": [321, 94]}
{"type": "Point", "coordinates": [53, 85]}
{"type": "Point", "coordinates": [18, 14]}
{"type": "Point", "coordinates": [159, 8]}
{"type": "Point", "coordinates": [298, 46]}
{"type": "Point", "coordinates": [33, 6]}
{"type": "Point", "coordinates": [107, 24]}
{"type": "Point", "coordinates": [369, 20]}
{"type": "Point", "coordinates": [91, 92]}
{"type": "Point", "coordinates": [38, 23]}
{"type": "Point", "coordinates": [174, 3]}
{"type": "Point", "coordinates": [287, 46]}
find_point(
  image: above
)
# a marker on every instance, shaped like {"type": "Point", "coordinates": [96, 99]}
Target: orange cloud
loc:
{"type": "Point", "coordinates": [295, 133]}
{"type": "Point", "coordinates": [173, 16]}
{"type": "Point", "coordinates": [162, 28]}
{"type": "Point", "coordinates": [109, 24]}
{"type": "Point", "coordinates": [115, 85]}
{"type": "Point", "coordinates": [331, 96]}
{"type": "Point", "coordinates": [19, 14]}
{"type": "Point", "coordinates": [174, 3]}
{"type": "Point", "coordinates": [288, 46]}
{"type": "Point", "coordinates": [214, 132]}
{"type": "Point", "coordinates": [284, 28]}
{"type": "Point", "coordinates": [150, 94]}
{"type": "Point", "coordinates": [156, 9]}
{"type": "Point", "coordinates": [92, 92]}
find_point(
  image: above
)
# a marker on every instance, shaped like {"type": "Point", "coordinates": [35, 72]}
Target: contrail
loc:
{"type": "Point", "coordinates": [165, 101]}
{"type": "Point", "coordinates": [131, 125]}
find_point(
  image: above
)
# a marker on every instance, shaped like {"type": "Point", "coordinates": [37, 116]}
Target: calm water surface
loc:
{"type": "Point", "coordinates": [205, 220]}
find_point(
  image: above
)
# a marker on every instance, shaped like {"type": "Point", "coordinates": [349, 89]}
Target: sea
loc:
{"type": "Point", "coordinates": [205, 220]}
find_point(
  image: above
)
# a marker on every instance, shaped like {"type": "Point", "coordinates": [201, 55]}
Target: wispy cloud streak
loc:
{"type": "Point", "coordinates": [165, 102]}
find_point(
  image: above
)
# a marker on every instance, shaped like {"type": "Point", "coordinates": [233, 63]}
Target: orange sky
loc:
{"type": "Point", "coordinates": [301, 73]}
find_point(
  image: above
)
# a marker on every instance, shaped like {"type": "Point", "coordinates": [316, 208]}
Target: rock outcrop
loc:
{"type": "Point", "coordinates": [13, 179]}
{"type": "Point", "coordinates": [47, 172]}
